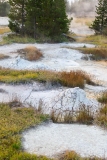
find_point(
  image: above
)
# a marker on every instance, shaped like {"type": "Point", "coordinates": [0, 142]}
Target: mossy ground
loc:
{"type": "Point", "coordinates": [12, 122]}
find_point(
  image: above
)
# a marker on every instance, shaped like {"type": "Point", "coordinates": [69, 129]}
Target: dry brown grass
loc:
{"type": "Point", "coordinates": [87, 21]}
{"type": "Point", "coordinates": [2, 56]}
{"type": "Point", "coordinates": [4, 30]}
{"type": "Point", "coordinates": [69, 79]}
{"type": "Point", "coordinates": [96, 53]}
{"type": "Point", "coordinates": [85, 115]}
{"type": "Point", "coordinates": [101, 118]}
{"type": "Point", "coordinates": [99, 40]}
{"type": "Point", "coordinates": [31, 53]}
{"type": "Point", "coordinates": [72, 155]}
{"type": "Point", "coordinates": [75, 78]}
{"type": "Point", "coordinates": [103, 98]}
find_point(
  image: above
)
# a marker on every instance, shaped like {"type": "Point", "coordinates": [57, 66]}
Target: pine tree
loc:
{"type": "Point", "coordinates": [4, 8]}
{"type": "Point", "coordinates": [38, 17]}
{"type": "Point", "coordinates": [17, 16]}
{"type": "Point", "coordinates": [59, 17]}
{"type": "Point", "coordinates": [100, 22]}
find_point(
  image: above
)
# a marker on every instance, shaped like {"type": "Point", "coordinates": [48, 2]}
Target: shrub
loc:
{"type": "Point", "coordinates": [31, 53]}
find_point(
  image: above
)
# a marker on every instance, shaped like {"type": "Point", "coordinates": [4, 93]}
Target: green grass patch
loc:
{"type": "Point", "coordinates": [16, 39]}
{"type": "Point", "coordinates": [13, 38]}
{"type": "Point", "coordinates": [69, 79]}
{"type": "Point", "coordinates": [12, 123]}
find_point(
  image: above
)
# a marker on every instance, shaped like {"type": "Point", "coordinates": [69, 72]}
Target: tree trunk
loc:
{"type": "Point", "coordinates": [34, 28]}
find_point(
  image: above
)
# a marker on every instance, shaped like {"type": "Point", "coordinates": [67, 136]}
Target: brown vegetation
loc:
{"type": "Point", "coordinates": [103, 98]}
{"type": "Point", "coordinates": [99, 40]}
{"type": "Point", "coordinates": [82, 116]}
{"type": "Point", "coordinates": [101, 118]}
{"type": "Point", "coordinates": [85, 115]}
{"type": "Point", "coordinates": [69, 79]}
{"type": "Point", "coordinates": [4, 30]}
{"type": "Point", "coordinates": [75, 78]}
{"type": "Point", "coordinates": [31, 53]}
{"type": "Point", "coordinates": [72, 155]}
{"type": "Point", "coordinates": [69, 155]}
{"type": "Point", "coordinates": [95, 53]}
{"type": "Point", "coordinates": [2, 56]}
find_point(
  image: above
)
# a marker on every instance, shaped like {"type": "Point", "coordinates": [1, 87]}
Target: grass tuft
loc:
{"type": "Point", "coordinates": [75, 78]}
{"type": "Point", "coordinates": [30, 53]}
{"type": "Point", "coordinates": [103, 98]}
{"type": "Point", "coordinates": [101, 118]}
{"type": "Point", "coordinates": [2, 56]}
{"type": "Point", "coordinates": [85, 115]}
{"type": "Point", "coordinates": [70, 155]}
